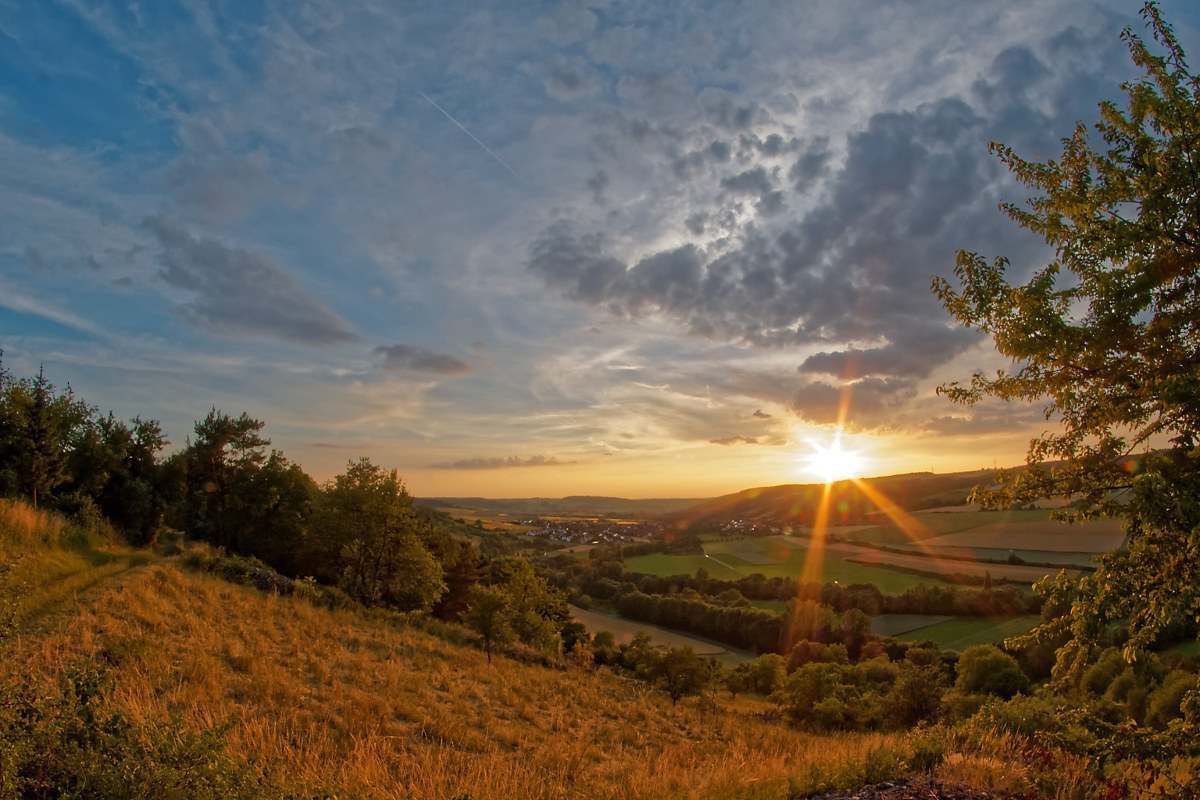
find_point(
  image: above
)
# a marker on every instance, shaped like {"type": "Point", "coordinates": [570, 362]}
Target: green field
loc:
{"type": "Point", "coordinates": [959, 633]}
{"type": "Point", "coordinates": [785, 561]}
{"type": "Point", "coordinates": [1028, 556]}
{"type": "Point", "coordinates": [898, 624]}
{"type": "Point", "coordinates": [774, 606]}
{"type": "Point", "coordinates": [938, 523]}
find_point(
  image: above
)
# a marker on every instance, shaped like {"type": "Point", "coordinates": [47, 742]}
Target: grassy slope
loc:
{"type": "Point", "coordinates": [331, 699]}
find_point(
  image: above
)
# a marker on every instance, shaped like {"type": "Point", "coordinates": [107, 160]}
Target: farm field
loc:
{"type": "Point", "coordinates": [623, 631]}
{"type": "Point", "coordinates": [959, 633]}
{"type": "Point", "coordinates": [997, 554]}
{"type": "Point", "coordinates": [926, 525]}
{"type": "Point", "coordinates": [786, 561]}
{"type": "Point", "coordinates": [958, 541]}
{"type": "Point", "coordinates": [1092, 537]}
{"type": "Point", "coordinates": [948, 566]}
{"type": "Point", "coordinates": [898, 624]}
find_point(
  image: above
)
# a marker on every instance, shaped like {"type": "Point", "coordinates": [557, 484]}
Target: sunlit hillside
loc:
{"type": "Point", "coordinates": [335, 701]}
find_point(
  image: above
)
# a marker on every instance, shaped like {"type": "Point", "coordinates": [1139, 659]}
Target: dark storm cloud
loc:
{"type": "Point", "coordinates": [502, 463]}
{"type": "Point", "coordinates": [421, 359]}
{"type": "Point", "coordinates": [241, 293]}
{"type": "Point", "coordinates": [851, 273]}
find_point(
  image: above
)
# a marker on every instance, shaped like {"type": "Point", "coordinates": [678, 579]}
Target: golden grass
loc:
{"type": "Point", "coordinates": [48, 563]}
{"type": "Point", "coordinates": [24, 529]}
{"type": "Point", "coordinates": [333, 701]}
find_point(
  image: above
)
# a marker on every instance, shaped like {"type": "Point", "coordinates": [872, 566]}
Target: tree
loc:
{"type": "Point", "coordinates": [490, 616]}
{"type": "Point", "coordinates": [1107, 337]}
{"type": "Point", "coordinates": [680, 672]}
{"type": "Point", "coordinates": [38, 429]}
{"type": "Point", "coordinates": [372, 540]}
{"type": "Point", "coordinates": [225, 453]}
{"type": "Point", "coordinates": [539, 610]}
{"type": "Point", "coordinates": [275, 504]}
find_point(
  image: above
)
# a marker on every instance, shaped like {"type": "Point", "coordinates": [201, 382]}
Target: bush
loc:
{"type": "Point", "coordinates": [986, 669]}
{"type": "Point", "coordinates": [77, 745]}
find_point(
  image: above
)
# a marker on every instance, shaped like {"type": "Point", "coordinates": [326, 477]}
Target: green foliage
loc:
{"type": "Point", "coordinates": [986, 669]}
{"type": "Point", "coordinates": [539, 610]}
{"type": "Point", "coordinates": [763, 675]}
{"type": "Point", "coordinates": [490, 616]}
{"type": "Point", "coordinates": [915, 696]}
{"type": "Point", "coordinates": [680, 672]}
{"type": "Point", "coordinates": [55, 450]}
{"type": "Point", "coordinates": [370, 540]}
{"type": "Point", "coordinates": [518, 605]}
{"type": "Point", "coordinates": [1105, 336]}
{"type": "Point", "coordinates": [78, 745]}
{"type": "Point", "coordinates": [218, 465]}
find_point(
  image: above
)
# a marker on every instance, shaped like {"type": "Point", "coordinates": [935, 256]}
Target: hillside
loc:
{"type": "Point", "coordinates": [335, 701]}
{"type": "Point", "coordinates": [783, 504]}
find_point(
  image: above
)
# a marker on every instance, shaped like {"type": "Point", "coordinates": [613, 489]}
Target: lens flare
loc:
{"type": "Point", "coordinates": [831, 463]}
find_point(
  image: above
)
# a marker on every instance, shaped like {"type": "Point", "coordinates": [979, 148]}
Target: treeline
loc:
{"type": "Point", "coordinates": [606, 581]}
{"type": "Point", "coordinates": [358, 534]}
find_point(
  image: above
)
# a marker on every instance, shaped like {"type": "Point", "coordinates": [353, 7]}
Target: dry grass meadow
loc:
{"type": "Point", "coordinates": [344, 703]}
{"type": "Point", "coordinates": [329, 699]}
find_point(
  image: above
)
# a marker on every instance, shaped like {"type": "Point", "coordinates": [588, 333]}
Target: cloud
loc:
{"type": "Point", "coordinates": [735, 440]}
{"type": "Point", "coordinates": [991, 419]}
{"type": "Point", "coordinates": [866, 404]}
{"type": "Point", "coordinates": [215, 184]}
{"type": "Point", "coordinates": [566, 79]}
{"type": "Point", "coordinates": [916, 346]}
{"type": "Point", "coordinates": [503, 463]}
{"type": "Point", "coordinates": [241, 293]}
{"type": "Point", "coordinates": [421, 359]}
{"type": "Point", "coordinates": [566, 23]}
{"type": "Point", "coordinates": [825, 243]}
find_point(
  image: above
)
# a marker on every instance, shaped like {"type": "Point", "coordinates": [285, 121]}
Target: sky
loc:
{"type": "Point", "coordinates": [516, 249]}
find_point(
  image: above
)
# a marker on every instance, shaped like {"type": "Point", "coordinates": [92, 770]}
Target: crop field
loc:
{"type": "Point", "coordinates": [623, 631]}
{"type": "Point", "coordinates": [786, 560]}
{"type": "Point", "coordinates": [995, 554]}
{"type": "Point", "coordinates": [1093, 537]}
{"type": "Point", "coordinates": [928, 525]}
{"type": "Point", "coordinates": [948, 566]}
{"type": "Point", "coordinates": [959, 633]}
{"type": "Point", "coordinates": [897, 624]}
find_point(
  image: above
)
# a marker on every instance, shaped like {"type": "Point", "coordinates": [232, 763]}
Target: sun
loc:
{"type": "Point", "coordinates": [831, 463]}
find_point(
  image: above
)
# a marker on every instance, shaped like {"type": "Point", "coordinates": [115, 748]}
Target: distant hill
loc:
{"type": "Point", "coordinates": [787, 504]}
{"type": "Point", "coordinates": [575, 505]}
{"type": "Point", "coordinates": [797, 503]}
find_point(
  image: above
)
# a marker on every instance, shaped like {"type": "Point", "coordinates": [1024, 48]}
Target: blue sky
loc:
{"type": "Point", "coordinates": [630, 248]}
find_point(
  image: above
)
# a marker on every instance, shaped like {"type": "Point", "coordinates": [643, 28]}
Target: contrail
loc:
{"type": "Point", "coordinates": [468, 133]}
